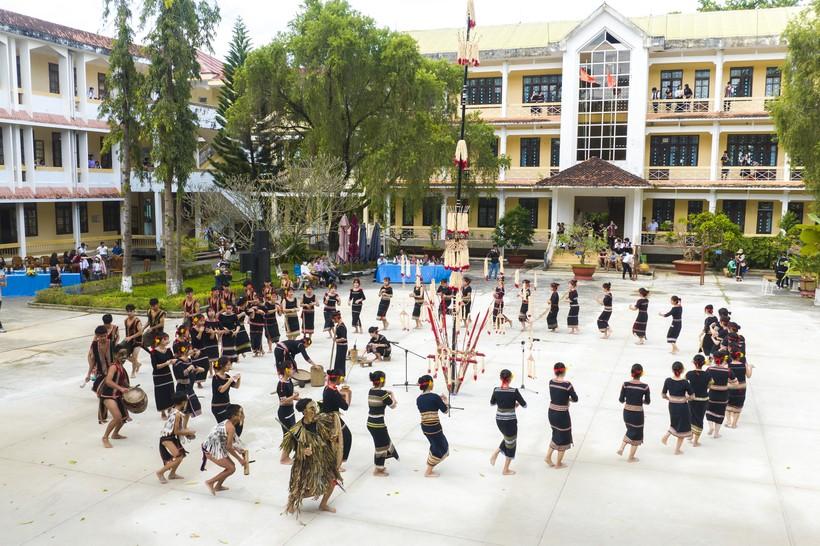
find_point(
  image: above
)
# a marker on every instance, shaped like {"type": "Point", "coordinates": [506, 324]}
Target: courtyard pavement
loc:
{"type": "Point", "coordinates": [758, 484]}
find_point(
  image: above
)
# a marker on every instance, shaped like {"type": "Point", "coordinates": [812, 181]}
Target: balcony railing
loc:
{"type": "Point", "coordinates": [205, 114]}
{"type": "Point", "coordinates": [49, 175]}
{"type": "Point", "coordinates": [48, 103]}
{"type": "Point", "coordinates": [724, 173]}
{"type": "Point", "coordinates": [665, 238]}
{"type": "Point", "coordinates": [676, 173]}
{"type": "Point", "coordinates": [530, 173]}
{"type": "Point", "coordinates": [699, 107]}
{"type": "Point", "coordinates": [536, 111]}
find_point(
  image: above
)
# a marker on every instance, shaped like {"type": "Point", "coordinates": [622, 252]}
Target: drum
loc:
{"type": "Point", "coordinates": [302, 377]}
{"type": "Point", "coordinates": [135, 400]}
{"type": "Point", "coordinates": [317, 376]}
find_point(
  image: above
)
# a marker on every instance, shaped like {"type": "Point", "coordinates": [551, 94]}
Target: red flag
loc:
{"type": "Point", "coordinates": [585, 77]}
{"type": "Point", "coordinates": [610, 80]}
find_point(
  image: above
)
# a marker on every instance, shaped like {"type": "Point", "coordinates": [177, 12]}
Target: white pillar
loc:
{"type": "Point", "coordinates": [787, 167]}
{"type": "Point", "coordinates": [17, 160]}
{"type": "Point", "coordinates": [75, 223]}
{"type": "Point", "coordinates": [7, 174]}
{"type": "Point", "coordinates": [443, 219]}
{"type": "Point", "coordinates": [82, 143]}
{"type": "Point", "coordinates": [11, 48]}
{"type": "Point", "coordinates": [505, 73]}
{"type": "Point", "coordinates": [502, 150]}
{"type": "Point", "coordinates": [158, 219]}
{"type": "Point", "coordinates": [82, 87]}
{"type": "Point", "coordinates": [554, 212]}
{"type": "Point", "coordinates": [637, 217]}
{"type": "Point", "coordinates": [718, 91]}
{"type": "Point", "coordinates": [67, 149]}
{"type": "Point", "coordinates": [714, 161]}
{"type": "Point", "coordinates": [21, 229]}
{"type": "Point", "coordinates": [712, 201]}
{"type": "Point", "coordinates": [198, 215]}
{"type": "Point", "coordinates": [784, 204]}
{"type": "Point", "coordinates": [365, 216]}
{"type": "Point", "coordinates": [28, 146]}
{"type": "Point", "coordinates": [502, 206]}
{"type": "Point", "coordinates": [25, 72]}
{"type": "Point", "coordinates": [388, 226]}
{"type": "Point", "coordinates": [66, 91]}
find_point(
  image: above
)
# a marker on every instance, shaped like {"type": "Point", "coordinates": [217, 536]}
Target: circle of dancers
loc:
{"type": "Point", "coordinates": [316, 440]}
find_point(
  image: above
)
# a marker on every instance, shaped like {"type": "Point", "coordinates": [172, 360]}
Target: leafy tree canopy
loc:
{"type": "Point", "coordinates": [726, 5]}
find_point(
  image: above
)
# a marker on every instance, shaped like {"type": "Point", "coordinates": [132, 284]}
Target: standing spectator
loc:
{"type": "Point", "coordinates": [82, 249]}
{"type": "Point", "coordinates": [656, 95]}
{"type": "Point", "coordinates": [652, 228]}
{"type": "Point", "coordinates": [611, 232]}
{"type": "Point", "coordinates": [90, 92]}
{"type": "Point", "coordinates": [102, 251]}
{"type": "Point", "coordinates": [725, 163]}
{"type": "Point", "coordinates": [91, 163]}
{"type": "Point", "coordinates": [84, 267]}
{"type": "Point", "coordinates": [687, 94]}
{"type": "Point", "coordinates": [728, 93]}
{"type": "Point", "coordinates": [2, 284]}
{"type": "Point", "coordinates": [667, 94]}
{"type": "Point", "coordinates": [493, 255]}
{"type": "Point", "coordinates": [627, 261]}
{"type": "Point", "coordinates": [740, 265]}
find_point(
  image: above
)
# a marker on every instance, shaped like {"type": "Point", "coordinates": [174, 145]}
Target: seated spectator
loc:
{"type": "Point", "coordinates": [116, 250]}
{"type": "Point", "coordinates": [91, 161]}
{"type": "Point", "coordinates": [378, 348]}
{"type": "Point", "coordinates": [603, 258]}
{"type": "Point", "coordinates": [382, 260]}
{"type": "Point", "coordinates": [90, 92]}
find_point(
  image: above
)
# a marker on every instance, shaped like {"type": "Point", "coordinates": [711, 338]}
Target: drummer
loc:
{"type": "Point", "coordinates": [111, 390]}
{"type": "Point", "coordinates": [286, 351]}
{"type": "Point", "coordinates": [378, 348]}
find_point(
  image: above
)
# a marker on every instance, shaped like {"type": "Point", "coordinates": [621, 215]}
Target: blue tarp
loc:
{"type": "Point", "coordinates": [20, 284]}
{"type": "Point", "coordinates": [428, 272]}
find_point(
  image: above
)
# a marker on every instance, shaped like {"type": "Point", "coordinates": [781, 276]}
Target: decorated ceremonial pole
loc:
{"type": "Point", "coordinates": [457, 256]}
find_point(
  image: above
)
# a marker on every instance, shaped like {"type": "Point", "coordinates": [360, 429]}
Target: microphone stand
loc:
{"type": "Point", "coordinates": [407, 351]}
{"type": "Point", "coordinates": [523, 367]}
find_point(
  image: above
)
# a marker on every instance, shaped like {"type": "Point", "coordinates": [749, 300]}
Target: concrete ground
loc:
{"type": "Point", "coordinates": [758, 484]}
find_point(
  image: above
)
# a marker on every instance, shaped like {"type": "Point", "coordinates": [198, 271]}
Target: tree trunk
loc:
{"type": "Point", "coordinates": [126, 284]}
{"type": "Point", "coordinates": [178, 233]}
{"type": "Point", "coordinates": [169, 239]}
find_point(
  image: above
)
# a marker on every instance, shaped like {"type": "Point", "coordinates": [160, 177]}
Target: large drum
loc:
{"type": "Point", "coordinates": [135, 400]}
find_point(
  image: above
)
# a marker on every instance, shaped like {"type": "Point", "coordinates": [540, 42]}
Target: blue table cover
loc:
{"type": "Point", "coordinates": [20, 284]}
{"type": "Point", "coordinates": [428, 272]}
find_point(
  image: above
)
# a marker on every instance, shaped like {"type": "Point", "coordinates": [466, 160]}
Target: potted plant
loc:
{"type": "Point", "coordinates": [513, 231]}
{"type": "Point", "coordinates": [583, 241]}
{"type": "Point", "coordinates": [807, 262]}
{"type": "Point", "coordinates": [698, 236]}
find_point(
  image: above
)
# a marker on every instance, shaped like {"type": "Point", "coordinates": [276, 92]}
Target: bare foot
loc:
{"type": "Point", "coordinates": [549, 462]}
{"type": "Point", "coordinates": [380, 472]}
{"type": "Point", "coordinates": [118, 437]}
{"type": "Point", "coordinates": [716, 436]}
{"type": "Point", "coordinates": [664, 440]}
{"type": "Point", "coordinates": [161, 477]}
{"type": "Point", "coordinates": [678, 452]}
{"type": "Point", "coordinates": [286, 461]}
{"type": "Point", "coordinates": [695, 444]}
{"type": "Point", "coordinates": [560, 465]}
{"type": "Point", "coordinates": [620, 452]}
{"type": "Point", "coordinates": [106, 443]}
{"type": "Point", "coordinates": [632, 460]}
{"type": "Point", "coordinates": [431, 474]}
{"type": "Point", "coordinates": [210, 486]}
{"type": "Point", "coordinates": [493, 457]}
{"type": "Point", "coordinates": [221, 488]}
{"type": "Point", "coordinates": [326, 508]}
{"type": "Point", "coordinates": [175, 477]}
{"type": "Point", "coordinates": [508, 472]}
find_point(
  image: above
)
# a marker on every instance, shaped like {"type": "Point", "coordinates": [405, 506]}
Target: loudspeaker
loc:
{"type": "Point", "coordinates": [261, 240]}
{"type": "Point", "coordinates": [261, 270]}
{"type": "Point", "coordinates": [247, 261]}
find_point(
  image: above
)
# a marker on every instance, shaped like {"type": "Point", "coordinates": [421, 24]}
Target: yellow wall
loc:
{"type": "Point", "coordinates": [515, 83]}
{"type": "Point", "coordinates": [210, 93]}
{"type": "Point", "coordinates": [688, 75]}
{"type": "Point", "coordinates": [781, 151]}
{"type": "Point", "coordinates": [91, 71]}
{"type": "Point", "coordinates": [39, 72]}
{"type": "Point", "coordinates": [47, 226]}
{"type": "Point", "coordinates": [704, 147]}
{"type": "Point", "coordinates": [514, 149]}
{"type": "Point", "coordinates": [758, 74]}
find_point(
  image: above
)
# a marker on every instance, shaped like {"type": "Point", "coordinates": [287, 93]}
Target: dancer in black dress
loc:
{"type": "Point", "coordinates": [574, 307]}
{"type": "Point", "coordinates": [378, 400]}
{"type": "Point", "coordinates": [308, 306]}
{"type": "Point", "coordinates": [719, 375]}
{"type": "Point", "coordinates": [606, 312]}
{"type": "Point", "coordinates": [271, 308]}
{"type": "Point", "coordinates": [634, 395]}
{"type": "Point", "coordinates": [641, 306]}
{"type": "Point", "coordinates": [228, 328]}
{"type": "Point", "coordinates": [221, 385]}
{"type": "Point", "coordinates": [290, 310]}
{"type": "Point", "coordinates": [334, 400]}
{"type": "Point", "coordinates": [506, 399]}
{"type": "Point", "coordinates": [162, 358]}
{"type": "Point", "coordinates": [741, 370]}
{"type": "Point", "coordinates": [499, 318]}
{"type": "Point", "coordinates": [429, 405]}
{"type": "Point", "coordinates": [339, 334]}
{"type": "Point", "coordinates": [418, 300]}
{"type": "Point", "coordinates": [287, 397]}
{"type": "Point", "coordinates": [710, 323]}
{"type": "Point", "coordinates": [243, 340]}
{"type": "Point", "coordinates": [256, 319]}
{"type": "Point", "coordinates": [561, 394]}
{"type": "Point", "coordinates": [356, 301]}
{"type": "Point", "coordinates": [329, 305]}
{"type": "Point", "coordinates": [524, 310]}
{"type": "Point", "coordinates": [185, 373]}
{"type": "Point", "coordinates": [677, 391]}
{"type": "Point", "coordinates": [204, 341]}
{"type": "Point", "coordinates": [676, 312]}
{"type": "Point", "coordinates": [286, 351]}
{"type": "Point", "coordinates": [466, 301]}
{"type": "Point", "coordinates": [385, 294]}
{"type": "Point", "coordinates": [552, 316]}
{"type": "Point", "coordinates": [699, 381]}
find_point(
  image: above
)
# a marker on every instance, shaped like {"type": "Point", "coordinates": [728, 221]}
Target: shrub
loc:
{"type": "Point", "coordinates": [514, 230]}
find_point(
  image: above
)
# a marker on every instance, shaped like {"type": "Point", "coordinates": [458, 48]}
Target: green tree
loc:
{"type": "Point", "coordinates": [514, 229]}
{"type": "Point", "coordinates": [180, 28]}
{"type": "Point", "coordinates": [714, 5]}
{"type": "Point", "coordinates": [797, 112]}
{"type": "Point", "coordinates": [124, 108]}
{"type": "Point", "coordinates": [247, 150]}
{"type": "Point", "coordinates": [343, 87]}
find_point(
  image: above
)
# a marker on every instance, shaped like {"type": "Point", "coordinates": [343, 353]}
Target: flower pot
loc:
{"type": "Point", "coordinates": [689, 267]}
{"type": "Point", "coordinates": [583, 272]}
{"type": "Point", "coordinates": [808, 286]}
{"type": "Point", "coordinates": [516, 259]}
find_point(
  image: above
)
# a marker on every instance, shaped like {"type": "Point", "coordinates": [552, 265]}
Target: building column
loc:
{"type": "Point", "coordinates": [158, 219]}
{"type": "Point", "coordinates": [365, 216]}
{"type": "Point", "coordinates": [75, 223]}
{"type": "Point", "coordinates": [197, 215]}
{"type": "Point", "coordinates": [28, 147]}
{"type": "Point", "coordinates": [66, 91]}
{"type": "Point", "coordinates": [637, 216]}
{"type": "Point", "coordinates": [25, 72]}
{"type": "Point", "coordinates": [502, 150]}
{"type": "Point", "coordinates": [82, 87]}
{"type": "Point", "coordinates": [717, 105]}
{"type": "Point", "coordinates": [502, 205]}
{"type": "Point", "coordinates": [505, 73]}
{"type": "Point", "coordinates": [554, 213]}
{"type": "Point", "coordinates": [784, 204]}
{"type": "Point", "coordinates": [16, 161]}
{"type": "Point", "coordinates": [442, 219]}
{"type": "Point", "coordinates": [21, 230]}
{"type": "Point", "coordinates": [68, 157]}
{"type": "Point", "coordinates": [82, 144]}
{"type": "Point", "coordinates": [712, 201]}
{"type": "Point", "coordinates": [8, 155]}
{"type": "Point", "coordinates": [11, 49]}
{"type": "Point", "coordinates": [714, 162]}
{"type": "Point", "coordinates": [787, 167]}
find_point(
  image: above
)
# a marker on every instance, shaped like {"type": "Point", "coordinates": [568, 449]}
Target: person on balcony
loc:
{"type": "Point", "coordinates": [652, 228]}
{"type": "Point", "coordinates": [728, 93]}
{"type": "Point", "coordinates": [725, 164]}
{"type": "Point", "coordinates": [687, 94]}
{"type": "Point", "coordinates": [656, 95]}
{"type": "Point", "coordinates": [536, 97]}
{"type": "Point", "coordinates": [91, 93]}
{"type": "Point", "coordinates": [668, 95]}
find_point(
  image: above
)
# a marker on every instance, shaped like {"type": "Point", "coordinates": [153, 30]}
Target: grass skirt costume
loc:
{"type": "Point", "coordinates": [310, 475]}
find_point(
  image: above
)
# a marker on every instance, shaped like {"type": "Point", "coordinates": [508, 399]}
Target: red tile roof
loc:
{"type": "Point", "coordinates": [210, 65]}
{"type": "Point", "coordinates": [53, 119]}
{"type": "Point", "coordinates": [595, 173]}
{"type": "Point", "coordinates": [54, 193]}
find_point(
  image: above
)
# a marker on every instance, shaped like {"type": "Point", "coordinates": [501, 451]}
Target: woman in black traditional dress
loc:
{"type": "Point", "coordinates": [561, 394]}
{"type": "Point", "coordinates": [429, 405]}
{"type": "Point", "coordinates": [204, 341]}
{"type": "Point", "coordinates": [290, 309]}
{"type": "Point", "coordinates": [287, 397]}
{"type": "Point", "coordinates": [133, 338]}
{"type": "Point", "coordinates": [221, 386]}
{"type": "Point", "coordinates": [256, 320]}
{"type": "Point", "coordinates": [524, 310]}
{"type": "Point", "coordinates": [356, 300]}
{"type": "Point", "coordinates": [185, 373]}
{"type": "Point", "coordinates": [466, 301]}
{"type": "Point", "coordinates": [308, 305]}
{"type": "Point", "coordinates": [641, 306]}
{"type": "Point", "coordinates": [634, 395]}
{"type": "Point", "coordinates": [719, 375]}
{"type": "Point", "coordinates": [271, 307]}
{"type": "Point", "coordinates": [378, 400]}
{"type": "Point", "coordinates": [243, 340]}
{"type": "Point", "coordinates": [499, 318]}
{"type": "Point", "coordinates": [707, 343]}
{"type": "Point", "coordinates": [385, 294]}
{"type": "Point", "coordinates": [334, 400]}
{"type": "Point", "coordinates": [699, 380]}
{"type": "Point", "coordinates": [677, 391]}
{"type": "Point", "coordinates": [676, 312]}
{"type": "Point", "coordinates": [111, 390]}
{"type": "Point", "coordinates": [418, 300]}
{"type": "Point", "coordinates": [506, 399]}
{"type": "Point", "coordinates": [552, 316]}
{"type": "Point", "coordinates": [741, 370]}
{"type": "Point", "coordinates": [329, 303]}
{"type": "Point", "coordinates": [229, 326]}
{"type": "Point", "coordinates": [606, 312]}
{"type": "Point", "coordinates": [574, 307]}
{"type": "Point", "coordinates": [162, 358]}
